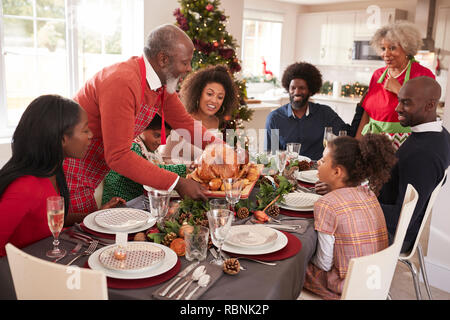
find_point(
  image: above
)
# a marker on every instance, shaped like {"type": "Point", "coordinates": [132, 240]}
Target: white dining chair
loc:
{"type": "Point", "coordinates": [98, 193]}
{"type": "Point", "coordinates": [370, 277]}
{"type": "Point", "coordinates": [37, 279]}
{"type": "Point", "coordinates": [407, 258]}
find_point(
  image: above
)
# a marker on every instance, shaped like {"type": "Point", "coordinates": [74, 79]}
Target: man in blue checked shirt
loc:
{"type": "Point", "coordinates": [300, 120]}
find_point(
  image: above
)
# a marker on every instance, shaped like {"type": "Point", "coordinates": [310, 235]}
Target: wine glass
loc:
{"type": "Point", "coordinates": [219, 225]}
{"type": "Point", "coordinates": [327, 136]}
{"type": "Point", "coordinates": [55, 218]}
{"type": "Point", "coordinates": [233, 189]}
{"type": "Point", "coordinates": [159, 201]}
{"type": "Point", "coordinates": [218, 204]}
{"type": "Point", "coordinates": [293, 150]}
{"type": "Point", "coordinates": [280, 159]}
{"type": "Point", "coordinates": [342, 133]}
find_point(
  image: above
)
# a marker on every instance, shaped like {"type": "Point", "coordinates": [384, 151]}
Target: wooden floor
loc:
{"type": "Point", "coordinates": [402, 287]}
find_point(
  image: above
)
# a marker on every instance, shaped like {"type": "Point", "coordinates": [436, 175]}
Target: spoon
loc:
{"type": "Point", "coordinates": [201, 270]}
{"type": "Point", "coordinates": [202, 282]}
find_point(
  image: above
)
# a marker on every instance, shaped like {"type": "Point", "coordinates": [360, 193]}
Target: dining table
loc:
{"type": "Point", "coordinates": [284, 281]}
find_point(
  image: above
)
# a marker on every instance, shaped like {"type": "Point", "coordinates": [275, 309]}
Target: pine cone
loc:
{"type": "Point", "coordinates": [273, 211]}
{"type": "Point", "coordinates": [201, 222]}
{"type": "Point", "coordinates": [231, 266]}
{"type": "Point", "coordinates": [168, 238]}
{"type": "Point", "coordinates": [304, 165]}
{"type": "Point", "coordinates": [185, 216]}
{"type": "Point", "coordinates": [243, 213]}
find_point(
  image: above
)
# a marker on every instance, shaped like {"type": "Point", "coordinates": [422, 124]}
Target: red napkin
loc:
{"type": "Point", "coordinates": [293, 246]}
{"type": "Point", "coordinates": [103, 235]}
{"type": "Point", "coordinates": [300, 214]}
{"type": "Point", "coordinates": [114, 283]}
{"type": "Point", "coordinates": [306, 184]}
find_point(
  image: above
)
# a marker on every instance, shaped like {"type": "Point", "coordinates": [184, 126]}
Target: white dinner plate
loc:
{"type": "Point", "coordinates": [169, 261]}
{"type": "Point", "coordinates": [140, 256]}
{"type": "Point", "coordinates": [121, 219]}
{"type": "Point", "coordinates": [251, 236]}
{"type": "Point", "coordinates": [300, 199]}
{"type": "Point", "coordinates": [281, 205]}
{"type": "Point", "coordinates": [278, 244]}
{"type": "Point", "coordinates": [89, 222]}
{"type": "Point", "coordinates": [303, 158]}
{"type": "Point", "coordinates": [309, 176]}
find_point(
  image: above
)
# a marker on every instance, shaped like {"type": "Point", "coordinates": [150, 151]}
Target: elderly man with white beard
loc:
{"type": "Point", "coordinates": [121, 100]}
{"type": "Point", "coordinates": [300, 120]}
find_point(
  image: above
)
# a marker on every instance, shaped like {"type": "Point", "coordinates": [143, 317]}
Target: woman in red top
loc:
{"type": "Point", "coordinates": [397, 44]}
{"type": "Point", "coordinates": [51, 128]}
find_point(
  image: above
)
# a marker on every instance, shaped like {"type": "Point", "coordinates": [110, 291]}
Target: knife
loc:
{"type": "Point", "coordinates": [179, 276]}
{"type": "Point", "coordinates": [283, 227]}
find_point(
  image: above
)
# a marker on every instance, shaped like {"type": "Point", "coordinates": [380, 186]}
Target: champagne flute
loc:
{"type": "Point", "coordinates": [219, 225]}
{"type": "Point", "coordinates": [233, 189]}
{"type": "Point", "coordinates": [281, 161]}
{"type": "Point", "coordinates": [327, 136]}
{"type": "Point", "coordinates": [55, 218]}
{"type": "Point", "coordinates": [159, 201]}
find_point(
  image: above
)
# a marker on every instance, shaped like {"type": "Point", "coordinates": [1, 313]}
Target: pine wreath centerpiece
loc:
{"type": "Point", "coordinates": [205, 24]}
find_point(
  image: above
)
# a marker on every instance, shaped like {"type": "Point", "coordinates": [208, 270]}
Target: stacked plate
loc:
{"type": "Point", "coordinates": [300, 201]}
{"type": "Point", "coordinates": [254, 239]}
{"type": "Point", "coordinates": [309, 176]}
{"type": "Point", "coordinates": [143, 260]}
{"type": "Point", "coordinates": [114, 220]}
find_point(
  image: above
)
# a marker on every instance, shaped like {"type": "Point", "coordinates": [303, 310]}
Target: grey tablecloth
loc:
{"type": "Point", "coordinates": [259, 282]}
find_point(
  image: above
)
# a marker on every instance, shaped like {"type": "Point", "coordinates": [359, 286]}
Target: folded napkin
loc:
{"type": "Point", "coordinates": [293, 247]}
{"type": "Point", "coordinates": [300, 214]}
{"type": "Point", "coordinates": [214, 271]}
{"type": "Point", "coordinates": [141, 283]}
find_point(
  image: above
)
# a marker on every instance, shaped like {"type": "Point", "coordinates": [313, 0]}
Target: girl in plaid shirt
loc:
{"type": "Point", "coordinates": [349, 219]}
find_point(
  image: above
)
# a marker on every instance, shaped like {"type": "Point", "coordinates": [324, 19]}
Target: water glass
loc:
{"type": "Point", "coordinates": [219, 225]}
{"type": "Point", "coordinates": [218, 204]}
{"type": "Point", "coordinates": [159, 201]}
{"type": "Point", "coordinates": [55, 219]}
{"type": "Point", "coordinates": [293, 150]}
{"type": "Point", "coordinates": [196, 243]}
{"type": "Point", "coordinates": [342, 133]}
{"type": "Point", "coordinates": [233, 189]}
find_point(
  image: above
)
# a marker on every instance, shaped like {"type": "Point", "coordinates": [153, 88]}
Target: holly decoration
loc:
{"type": "Point", "coordinates": [205, 24]}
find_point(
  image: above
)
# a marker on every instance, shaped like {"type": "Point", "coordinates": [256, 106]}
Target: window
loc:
{"type": "Point", "coordinates": [261, 41]}
{"type": "Point", "coordinates": [54, 46]}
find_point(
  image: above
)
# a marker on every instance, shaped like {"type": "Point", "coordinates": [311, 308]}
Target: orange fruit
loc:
{"type": "Point", "coordinates": [179, 246]}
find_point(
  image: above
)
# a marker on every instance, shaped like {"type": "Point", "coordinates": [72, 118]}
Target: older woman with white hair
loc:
{"type": "Point", "coordinates": [396, 43]}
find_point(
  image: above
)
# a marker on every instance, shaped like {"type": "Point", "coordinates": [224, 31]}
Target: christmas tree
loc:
{"type": "Point", "coordinates": [204, 23]}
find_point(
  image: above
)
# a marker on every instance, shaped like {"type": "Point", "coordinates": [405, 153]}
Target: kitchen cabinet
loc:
{"type": "Point", "coordinates": [337, 44]}
{"type": "Point", "coordinates": [443, 36]}
{"type": "Point", "coordinates": [343, 106]}
{"type": "Point", "coordinates": [363, 30]}
{"type": "Point", "coordinates": [310, 31]}
{"type": "Point", "coordinates": [326, 38]}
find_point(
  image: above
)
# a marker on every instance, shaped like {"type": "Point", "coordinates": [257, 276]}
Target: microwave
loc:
{"type": "Point", "coordinates": [362, 50]}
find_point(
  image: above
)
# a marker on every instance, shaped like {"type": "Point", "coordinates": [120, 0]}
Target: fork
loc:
{"type": "Point", "coordinates": [87, 252]}
{"type": "Point", "coordinates": [226, 256]}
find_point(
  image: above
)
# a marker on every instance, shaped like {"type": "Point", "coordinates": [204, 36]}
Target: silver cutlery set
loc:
{"type": "Point", "coordinates": [198, 275]}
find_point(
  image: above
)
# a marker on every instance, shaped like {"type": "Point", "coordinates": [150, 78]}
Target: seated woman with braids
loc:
{"type": "Point", "coordinates": [349, 219]}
